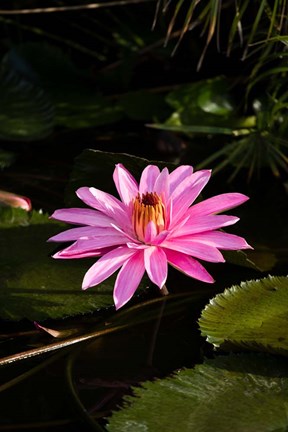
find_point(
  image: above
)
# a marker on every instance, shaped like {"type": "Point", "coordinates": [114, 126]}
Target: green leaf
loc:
{"type": "Point", "coordinates": [81, 109]}
{"type": "Point", "coordinates": [75, 102]}
{"type": "Point", "coordinates": [35, 286]}
{"type": "Point", "coordinates": [240, 258]}
{"type": "Point", "coordinates": [95, 168]}
{"type": "Point", "coordinates": [203, 103]}
{"type": "Point", "coordinates": [254, 315]}
{"type": "Point", "coordinates": [206, 107]}
{"type": "Point", "coordinates": [246, 392]}
{"type": "Point", "coordinates": [26, 112]}
{"type": "Point", "coordinates": [52, 65]}
{"type": "Point", "coordinates": [10, 216]}
{"type": "Point", "coordinates": [211, 96]}
{"type": "Point", "coordinates": [171, 125]}
{"type": "Point", "coordinates": [263, 257]}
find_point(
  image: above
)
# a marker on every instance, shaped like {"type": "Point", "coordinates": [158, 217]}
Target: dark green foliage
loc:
{"type": "Point", "coordinates": [26, 112]}
{"type": "Point", "coordinates": [238, 392]}
{"type": "Point", "coordinates": [252, 315]}
{"type": "Point", "coordinates": [95, 168]}
{"type": "Point", "coordinates": [32, 284]}
{"type": "Point", "coordinates": [94, 78]}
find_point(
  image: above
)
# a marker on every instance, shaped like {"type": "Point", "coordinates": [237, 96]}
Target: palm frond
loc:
{"type": "Point", "coordinates": [236, 26]}
{"type": "Point", "coordinates": [265, 20]}
{"type": "Point", "coordinates": [73, 8]}
{"type": "Point", "coordinates": [255, 26]}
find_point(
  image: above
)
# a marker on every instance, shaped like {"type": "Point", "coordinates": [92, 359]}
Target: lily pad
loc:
{"type": "Point", "coordinates": [26, 112]}
{"type": "Point", "coordinates": [246, 392]}
{"type": "Point", "coordinates": [95, 168]}
{"type": "Point", "coordinates": [253, 314]}
{"type": "Point", "coordinates": [40, 86]}
{"type": "Point", "coordinates": [35, 286]}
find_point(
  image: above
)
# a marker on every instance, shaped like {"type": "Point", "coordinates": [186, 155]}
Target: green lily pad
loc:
{"type": "Point", "coordinates": [40, 86]}
{"type": "Point", "coordinates": [240, 258]}
{"type": "Point", "coordinates": [35, 286]}
{"type": "Point", "coordinates": [95, 168]}
{"type": "Point", "coordinates": [253, 314]}
{"type": "Point", "coordinates": [26, 112]}
{"type": "Point", "coordinates": [246, 392]}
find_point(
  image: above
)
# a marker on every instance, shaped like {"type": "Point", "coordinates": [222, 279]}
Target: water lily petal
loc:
{"type": "Point", "coordinates": [71, 253]}
{"type": "Point", "coordinates": [188, 265]}
{"type": "Point", "coordinates": [160, 238]}
{"type": "Point", "coordinates": [82, 216]}
{"type": "Point", "coordinates": [13, 200]}
{"type": "Point", "coordinates": [150, 232]}
{"type": "Point", "coordinates": [221, 240]}
{"type": "Point", "coordinates": [105, 203]}
{"type": "Point", "coordinates": [198, 224]}
{"type": "Point", "coordinates": [132, 245]}
{"type": "Point", "coordinates": [156, 265]}
{"type": "Point", "coordinates": [125, 183]}
{"type": "Point", "coordinates": [128, 279]}
{"type": "Point", "coordinates": [148, 178]}
{"type": "Point", "coordinates": [178, 175]}
{"type": "Point", "coordinates": [99, 200]}
{"type": "Point", "coordinates": [218, 204]}
{"type": "Point", "coordinates": [106, 266]}
{"type": "Point", "coordinates": [161, 186]}
{"type": "Point", "coordinates": [83, 232]}
{"type": "Point", "coordinates": [129, 233]}
{"type": "Point", "coordinates": [92, 244]}
{"type": "Point", "coordinates": [197, 250]}
{"type": "Point", "coordinates": [185, 194]}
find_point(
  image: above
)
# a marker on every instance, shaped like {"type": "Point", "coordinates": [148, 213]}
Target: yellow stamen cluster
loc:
{"type": "Point", "coordinates": [146, 208]}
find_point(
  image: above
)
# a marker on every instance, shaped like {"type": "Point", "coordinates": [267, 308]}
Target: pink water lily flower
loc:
{"type": "Point", "coordinates": [152, 225]}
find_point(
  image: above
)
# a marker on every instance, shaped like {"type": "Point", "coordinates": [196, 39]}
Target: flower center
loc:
{"type": "Point", "coordinates": [147, 208]}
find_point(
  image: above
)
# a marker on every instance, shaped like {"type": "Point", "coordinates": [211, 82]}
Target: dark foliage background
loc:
{"type": "Point", "coordinates": [194, 82]}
